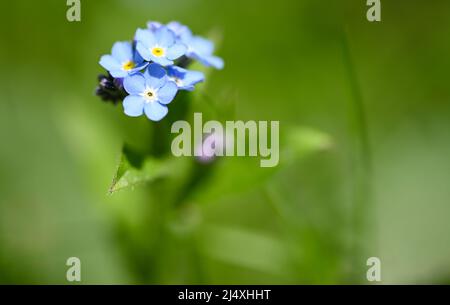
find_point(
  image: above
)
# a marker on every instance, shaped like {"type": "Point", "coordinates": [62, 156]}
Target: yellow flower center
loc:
{"type": "Point", "coordinates": [128, 65]}
{"type": "Point", "coordinates": [157, 51]}
{"type": "Point", "coordinates": [149, 94]}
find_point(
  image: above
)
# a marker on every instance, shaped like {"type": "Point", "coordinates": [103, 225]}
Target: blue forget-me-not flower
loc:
{"type": "Point", "coordinates": [159, 46]}
{"type": "Point", "coordinates": [150, 92]}
{"type": "Point", "coordinates": [123, 60]}
{"type": "Point", "coordinates": [147, 72]}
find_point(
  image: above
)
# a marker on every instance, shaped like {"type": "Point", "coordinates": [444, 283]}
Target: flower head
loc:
{"type": "Point", "coordinates": [150, 92]}
{"type": "Point", "coordinates": [123, 60]}
{"type": "Point", "coordinates": [159, 46]}
{"type": "Point", "coordinates": [185, 79]}
{"type": "Point", "coordinates": [147, 73]}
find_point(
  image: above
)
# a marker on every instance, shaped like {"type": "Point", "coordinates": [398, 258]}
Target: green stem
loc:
{"type": "Point", "coordinates": [361, 166]}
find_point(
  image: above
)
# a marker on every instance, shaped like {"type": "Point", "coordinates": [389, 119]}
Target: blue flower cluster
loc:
{"type": "Point", "coordinates": [151, 69]}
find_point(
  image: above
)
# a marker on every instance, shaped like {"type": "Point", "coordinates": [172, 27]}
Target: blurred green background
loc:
{"type": "Point", "coordinates": [379, 91]}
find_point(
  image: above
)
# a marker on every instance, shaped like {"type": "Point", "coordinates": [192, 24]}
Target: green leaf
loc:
{"type": "Point", "coordinates": [135, 169]}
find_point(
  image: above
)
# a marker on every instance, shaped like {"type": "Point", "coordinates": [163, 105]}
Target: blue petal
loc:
{"type": "Point", "coordinates": [187, 88]}
{"type": "Point", "coordinates": [154, 25]}
{"type": "Point", "coordinates": [109, 63]}
{"type": "Point", "coordinates": [155, 111]}
{"type": "Point", "coordinates": [133, 105]}
{"type": "Point", "coordinates": [122, 51]}
{"type": "Point", "coordinates": [201, 49]}
{"type": "Point", "coordinates": [176, 27]}
{"type": "Point", "coordinates": [145, 37]}
{"type": "Point", "coordinates": [165, 37]}
{"type": "Point", "coordinates": [193, 77]}
{"type": "Point", "coordinates": [209, 61]}
{"type": "Point", "coordinates": [143, 51]}
{"type": "Point", "coordinates": [134, 84]}
{"type": "Point", "coordinates": [176, 51]}
{"type": "Point", "coordinates": [155, 76]}
{"type": "Point", "coordinates": [201, 45]}
{"type": "Point", "coordinates": [161, 60]}
{"type": "Point", "coordinates": [167, 92]}
{"type": "Point", "coordinates": [137, 58]}
{"type": "Point", "coordinates": [175, 71]}
{"type": "Point", "coordinates": [188, 78]}
{"type": "Point", "coordinates": [181, 31]}
{"type": "Point", "coordinates": [213, 61]}
{"type": "Point", "coordinates": [118, 73]}
{"type": "Point", "coordinates": [138, 68]}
